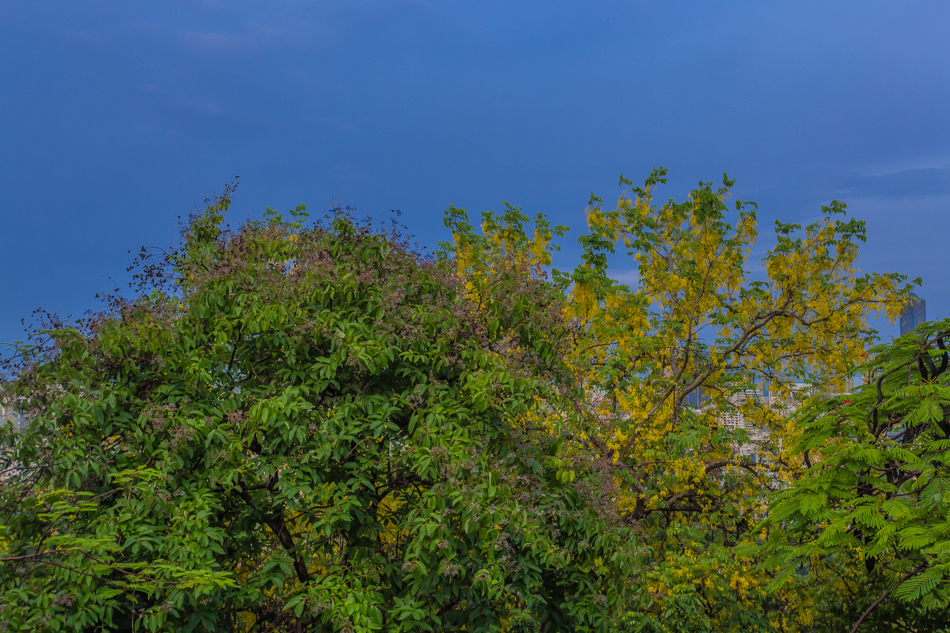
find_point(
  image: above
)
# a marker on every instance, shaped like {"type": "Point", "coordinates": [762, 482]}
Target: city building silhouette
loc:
{"type": "Point", "coordinates": [913, 314]}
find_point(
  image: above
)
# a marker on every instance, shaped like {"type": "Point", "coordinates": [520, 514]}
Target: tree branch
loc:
{"type": "Point", "coordinates": [885, 595]}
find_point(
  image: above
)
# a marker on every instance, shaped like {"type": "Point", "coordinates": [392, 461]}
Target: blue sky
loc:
{"type": "Point", "coordinates": [117, 117]}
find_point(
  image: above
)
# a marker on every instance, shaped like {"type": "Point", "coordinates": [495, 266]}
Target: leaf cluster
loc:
{"type": "Point", "coordinates": [303, 427]}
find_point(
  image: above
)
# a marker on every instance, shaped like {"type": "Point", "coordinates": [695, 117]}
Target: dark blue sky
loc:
{"type": "Point", "coordinates": [116, 117]}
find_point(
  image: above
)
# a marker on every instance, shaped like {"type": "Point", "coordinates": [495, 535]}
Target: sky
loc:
{"type": "Point", "coordinates": [118, 117]}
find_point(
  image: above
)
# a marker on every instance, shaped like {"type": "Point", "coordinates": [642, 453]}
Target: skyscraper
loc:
{"type": "Point", "coordinates": [913, 314]}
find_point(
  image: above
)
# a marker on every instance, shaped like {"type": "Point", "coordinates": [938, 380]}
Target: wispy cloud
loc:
{"type": "Point", "coordinates": [202, 107]}
{"type": "Point", "coordinates": [84, 38]}
{"type": "Point", "coordinates": [254, 37]}
{"type": "Point", "coordinates": [192, 115]}
{"type": "Point", "coordinates": [926, 182]}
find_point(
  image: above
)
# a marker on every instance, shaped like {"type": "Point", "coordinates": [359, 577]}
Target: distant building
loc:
{"type": "Point", "coordinates": [9, 413]}
{"type": "Point", "coordinates": [757, 436]}
{"type": "Point", "coordinates": [694, 398]}
{"type": "Point", "coordinates": [7, 470]}
{"type": "Point", "coordinates": [913, 314]}
{"type": "Point", "coordinates": [737, 420]}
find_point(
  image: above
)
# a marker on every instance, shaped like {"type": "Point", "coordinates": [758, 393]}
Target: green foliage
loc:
{"type": "Point", "coordinates": [302, 428]}
{"type": "Point", "coordinates": [310, 427]}
{"type": "Point", "coordinates": [877, 484]}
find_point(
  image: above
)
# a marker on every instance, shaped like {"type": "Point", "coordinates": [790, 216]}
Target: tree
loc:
{"type": "Point", "coordinates": [302, 428]}
{"type": "Point", "coordinates": [314, 428]}
{"type": "Point", "coordinates": [875, 491]}
{"type": "Point", "coordinates": [697, 321]}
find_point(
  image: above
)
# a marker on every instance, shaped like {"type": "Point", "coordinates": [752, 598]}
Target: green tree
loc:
{"type": "Point", "coordinates": [874, 497]}
{"type": "Point", "coordinates": [302, 428]}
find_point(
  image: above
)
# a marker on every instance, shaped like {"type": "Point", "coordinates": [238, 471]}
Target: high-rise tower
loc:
{"type": "Point", "coordinates": [913, 314]}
